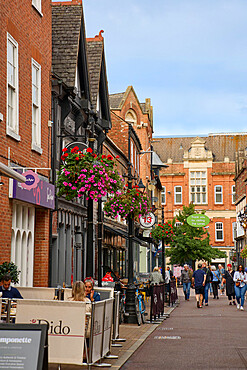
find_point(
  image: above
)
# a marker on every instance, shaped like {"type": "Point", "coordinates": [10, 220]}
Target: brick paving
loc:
{"type": "Point", "coordinates": [212, 337]}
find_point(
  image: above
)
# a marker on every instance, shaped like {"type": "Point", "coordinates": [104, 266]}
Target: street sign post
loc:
{"type": "Point", "coordinates": [198, 220]}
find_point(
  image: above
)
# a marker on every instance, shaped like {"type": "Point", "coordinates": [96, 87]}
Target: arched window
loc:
{"type": "Point", "coordinates": [131, 117]}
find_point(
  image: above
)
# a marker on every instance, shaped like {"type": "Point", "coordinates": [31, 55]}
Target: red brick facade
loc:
{"type": "Point", "coordinates": [212, 159]}
{"type": "Point", "coordinates": [140, 115]}
{"type": "Point", "coordinates": [31, 31]}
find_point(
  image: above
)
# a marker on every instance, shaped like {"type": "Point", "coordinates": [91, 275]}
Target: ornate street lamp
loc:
{"type": "Point", "coordinates": [130, 305]}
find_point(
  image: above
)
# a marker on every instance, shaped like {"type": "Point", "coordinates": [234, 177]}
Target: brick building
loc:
{"type": "Point", "coordinates": [25, 108]}
{"type": "Point", "coordinates": [201, 170]}
{"type": "Point", "coordinates": [126, 109]}
{"type": "Point", "coordinates": [241, 190]}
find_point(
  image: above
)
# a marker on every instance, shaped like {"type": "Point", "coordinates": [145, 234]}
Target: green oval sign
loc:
{"type": "Point", "coordinates": [198, 220]}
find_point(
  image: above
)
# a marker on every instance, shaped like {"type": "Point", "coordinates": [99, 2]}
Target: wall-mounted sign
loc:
{"type": "Point", "coordinates": [148, 220]}
{"type": "Point", "coordinates": [34, 190]}
{"type": "Point", "coordinates": [198, 220]}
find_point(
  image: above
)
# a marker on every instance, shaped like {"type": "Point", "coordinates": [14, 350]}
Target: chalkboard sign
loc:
{"type": "Point", "coordinates": [23, 346]}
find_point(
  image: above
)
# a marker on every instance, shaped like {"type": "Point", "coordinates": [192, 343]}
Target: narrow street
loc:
{"type": "Point", "coordinates": [212, 337]}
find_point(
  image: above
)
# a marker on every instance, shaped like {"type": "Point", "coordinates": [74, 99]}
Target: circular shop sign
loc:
{"type": "Point", "coordinates": [148, 220]}
{"type": "Point", "coordinates": [198, 220]}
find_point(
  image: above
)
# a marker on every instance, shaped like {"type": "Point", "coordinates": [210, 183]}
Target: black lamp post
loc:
{"type": "Point", "coordinates": [130, 308]}
{"type": "Point", "coordinates": [163, 262]}
{"type": "Point", "coordinates": [90, 206]}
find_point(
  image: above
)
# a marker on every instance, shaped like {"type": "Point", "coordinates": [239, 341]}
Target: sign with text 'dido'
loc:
{"type": "Point", "coordinates": [198, 220]}
{"type": "Point", "coordinates": [66, 326]}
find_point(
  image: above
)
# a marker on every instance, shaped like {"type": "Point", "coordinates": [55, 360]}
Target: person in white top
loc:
{"type": "Point", "coordinates": [240, 279]}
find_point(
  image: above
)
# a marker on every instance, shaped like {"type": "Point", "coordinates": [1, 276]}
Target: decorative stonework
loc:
{"type": "Point", "coordinates": [198, 151]}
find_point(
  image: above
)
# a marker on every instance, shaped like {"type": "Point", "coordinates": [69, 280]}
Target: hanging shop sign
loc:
{"type": "Point", "coordinates": [34, 190]}
{"type": "Point", "coordinates": [198, 220]}
{"type": "Point", "coordinates": [148, 220]}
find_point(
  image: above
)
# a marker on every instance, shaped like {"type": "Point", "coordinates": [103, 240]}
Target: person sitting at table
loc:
{"type": "Point", "coordinates": [79, 294]}
{"type": "Point", "coordinates": [90, 293]}
{"type": "Point", "coordinates": [7, 290]}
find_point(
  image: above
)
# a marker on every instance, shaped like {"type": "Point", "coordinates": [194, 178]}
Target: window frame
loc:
{"type": "Point", "coordinates": [222, 229]}
{"type": "Point", "coordinates": [13, 131]}
{"type": "Point", "coordinates": [215, 193]}
{"type": "Point", "coordinates": [163, 193]}
{"type": "Point", "coordinates": [195, 186]}
{"type": "Point", "coordinates": [177, 193]}
{"type": "Point", "coordinates": [234, 226]}
{"type": "Point", "coordinates": [36, 145]}
{"type": "Point", "coordinates": [233, 194]}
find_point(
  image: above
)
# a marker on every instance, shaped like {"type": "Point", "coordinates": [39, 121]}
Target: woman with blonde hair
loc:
{"type": "Point", "coordinates": [155, 276]}
{"type": "Point", "coordinates": [79, 292]}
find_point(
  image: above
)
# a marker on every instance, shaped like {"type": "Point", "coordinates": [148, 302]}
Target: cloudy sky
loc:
{"type": "Point", "coordinates": [188, 56]}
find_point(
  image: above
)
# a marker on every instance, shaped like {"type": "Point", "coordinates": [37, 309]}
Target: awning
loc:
{"type": "Point", "coordinates": [124, 234]}
{"type": "Point", "coordinates": [7, 171]}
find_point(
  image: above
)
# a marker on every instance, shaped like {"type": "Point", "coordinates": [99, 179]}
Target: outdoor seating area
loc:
{"type": "Point", "coordinates": [74, 335]}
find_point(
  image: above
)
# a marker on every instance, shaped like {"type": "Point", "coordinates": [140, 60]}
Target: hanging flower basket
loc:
{"type": "Point", "coordinates": [233, 258]}
{"type": "Point", "coordinates": [243, 252]}
{"type": "Point", "coordinates": [129, 201]}
{"type": "Point", "coordinates": [86, 173]}
{"type": "Point", "coordinates": [163, 231]}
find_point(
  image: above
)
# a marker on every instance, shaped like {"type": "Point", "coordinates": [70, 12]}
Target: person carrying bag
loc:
{"type": "Point", "coordinates": [240, 279]}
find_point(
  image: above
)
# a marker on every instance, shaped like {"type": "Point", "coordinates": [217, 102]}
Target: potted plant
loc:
{"type": "Point", "coordinates": [128, 201]}
{"type": "Point", "coordinates": [9, 268]}
{"type": "Point", "coordinates": [87, 173]}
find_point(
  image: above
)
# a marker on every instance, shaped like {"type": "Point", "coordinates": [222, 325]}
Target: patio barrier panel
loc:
{"type": "Point", "coordinates": [66, 327]}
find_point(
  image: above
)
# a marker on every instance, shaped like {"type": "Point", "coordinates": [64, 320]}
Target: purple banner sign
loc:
{"type": "Point", "coordinates": [34, 191]}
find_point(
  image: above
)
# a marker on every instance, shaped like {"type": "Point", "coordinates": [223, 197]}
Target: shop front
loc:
{"type": "Point", "coordinates": [31, 204]}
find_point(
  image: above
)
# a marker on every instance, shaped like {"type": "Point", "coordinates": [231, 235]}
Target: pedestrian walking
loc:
{"type": "Point", "coordinates": [209, 277]}
{"type": "Point", "coordinates": [240, 279]}
{"type": "Point", "coordinates": [156, 276]}
{"type": "Point", "coordinates": [228, 280]}
{"type": "Point", "coordinates": [198, 280]}
{"type": "Point", "coordinates": [215, 282]}
{"type": "Point", "coordinates": [221, 271]}
{"type": "Point", "coordinates": [186, 276]}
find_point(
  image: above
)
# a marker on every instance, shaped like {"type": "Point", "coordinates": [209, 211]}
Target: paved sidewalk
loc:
{"type": "Point", "coordinates": [135, 335]}
{"type": "Point", "coordinates": [212, 337]}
